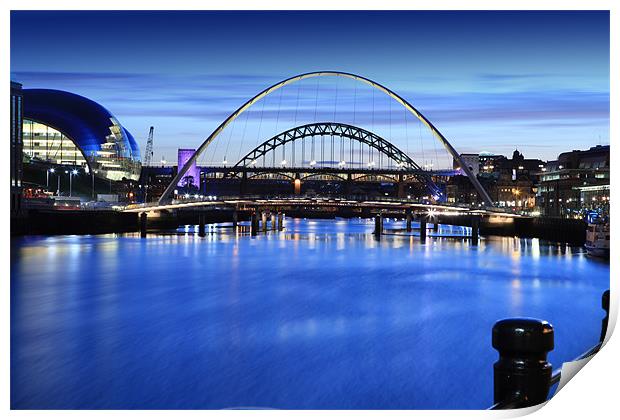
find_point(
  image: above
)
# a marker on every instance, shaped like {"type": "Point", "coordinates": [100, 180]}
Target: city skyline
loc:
{"type": "Point", "coordinates": [522, 76]}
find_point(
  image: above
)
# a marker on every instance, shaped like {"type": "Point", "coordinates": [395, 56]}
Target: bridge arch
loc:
{"type": "Point", "coordinates": [181, 172]}
{"type": "Point", "coordinates": [345, 131]}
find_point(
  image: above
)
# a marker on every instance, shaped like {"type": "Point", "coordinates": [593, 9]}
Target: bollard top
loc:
{"type": "Point", "coordinates": [605, 300]}
{"type": "Point", "coordinates": [523, 335]}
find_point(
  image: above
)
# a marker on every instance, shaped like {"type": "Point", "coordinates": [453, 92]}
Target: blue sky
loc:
{"type": "Point", "coordinates": [489, 81]}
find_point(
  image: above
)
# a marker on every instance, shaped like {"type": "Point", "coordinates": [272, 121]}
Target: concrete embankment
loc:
{"type": "Point", "coordinates": [570, 231]}
{"type": "Point", "coordinates": [73, 222]}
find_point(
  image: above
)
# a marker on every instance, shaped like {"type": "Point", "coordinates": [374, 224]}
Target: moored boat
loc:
{"type": "Point", "coordinates": [597, 239]}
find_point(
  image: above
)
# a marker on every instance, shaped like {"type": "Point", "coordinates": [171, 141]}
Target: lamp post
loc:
{"type": "Point", "coordinates": [73, 172]}
{"type": "Point", "coordinates": [516, 193]}
{"type": "Point", "coordinates": [93, 172]}
{"type": "Point", "coordinates": [47, 173]}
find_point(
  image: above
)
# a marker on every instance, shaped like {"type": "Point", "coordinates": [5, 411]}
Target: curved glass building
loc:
{"type": "Point", "coordinates": [69, 129]}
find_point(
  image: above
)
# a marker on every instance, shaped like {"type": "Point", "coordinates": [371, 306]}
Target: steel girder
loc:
{"type": "Point", "coordinates": [344, 131]}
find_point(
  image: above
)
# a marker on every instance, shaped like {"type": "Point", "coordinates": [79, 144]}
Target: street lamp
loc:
{"type": "Point", "coordinates": [73, 172]}
{"type": "Point", "coordinates": [47, 173]}
{"type": "Point", "coordinates": [516, 192]}
{"type": "Point", "coordinates": [93, 172]}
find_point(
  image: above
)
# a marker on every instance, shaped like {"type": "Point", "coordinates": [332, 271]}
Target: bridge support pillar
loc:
{"type": "Point", "coordinates": [280, 220]}
{"type": "Point", "coordinates": [422, 228]}
{"type": "Point", "coordinates": [143, 225]}
{"type": "Point", "coordinates": [235, 217]}
{"type": "Point", "coordinates": [409, 217]}
{"type": "Point", "coordinates": [273, 221]}
{"type": "Point", "coordinates": [349, 185]}
{"type": "Point", "coordinates": [378, 226]}
{"type": "Point", "coordinates": [254, 224]}
{"type": "Point", "coordinates": [401, 186]}
{"type": "Point", "coordinates": [264, 221]}
{"type": "Point", "coordinates": [201, 225]}
{"type": "Point", "coordinates": [244, 183]}
{"type": "Point", "coordinates": [475, 227]}
{"type": "Point", "coordinates": [297, 185]}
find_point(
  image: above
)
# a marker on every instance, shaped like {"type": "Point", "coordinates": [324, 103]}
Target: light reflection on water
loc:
{"type": "Point", "coordinates": [318, 316]}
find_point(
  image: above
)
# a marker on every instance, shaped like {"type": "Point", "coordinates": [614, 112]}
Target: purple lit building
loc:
{"type": "Point", "coordinates": [192, 177]}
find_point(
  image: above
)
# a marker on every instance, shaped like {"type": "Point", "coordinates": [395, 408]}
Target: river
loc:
{"type": "Point", "coordinates": [319, 316]}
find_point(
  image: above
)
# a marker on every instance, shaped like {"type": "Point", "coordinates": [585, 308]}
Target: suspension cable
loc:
{"type": "Point", "coordinates": [295, 125]}
{"type": "Point", "coordinates": [277, 123]}
{"type": "Point", "coordinates": [232, 129]}
{"type": "Point", "coordinates": [421, 142]}
{"type": "Point", "coordinates": [245, 126]}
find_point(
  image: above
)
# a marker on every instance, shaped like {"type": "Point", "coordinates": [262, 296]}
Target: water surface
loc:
{"type": "Point", "coordinates": [318, 316]}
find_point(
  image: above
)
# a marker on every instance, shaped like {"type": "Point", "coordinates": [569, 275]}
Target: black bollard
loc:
{"type": "Point", "coordinates": [605, 304]}
{"type": "Point", "coordinates": [435, 227]}
{"type": "Point", "coordinates": [378, 226]}
{"type": "Point", "coordinates": [143, 225]}
{"type": "Point", "coordinates": [475, 225]}
{"type": "Point", "coordinates": [235, 217]}
{"type": "Point", "coordinates": [201, 225]}
{"type": "Point", "coordinates": [522, 374]}
{"type": "Point", "coordinates": [423, 229]}
{"type": "Point", "coordinates": [409, 217]}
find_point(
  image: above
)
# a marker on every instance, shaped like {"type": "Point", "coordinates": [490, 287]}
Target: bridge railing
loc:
{"type": "Point", "coordinates": [351, 197]}
{"type": "Point", "coordinates": [522, 377]}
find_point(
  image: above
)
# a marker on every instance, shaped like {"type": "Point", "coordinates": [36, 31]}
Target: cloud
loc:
{"type": "Point", "coordinates": [189, 107]}
{"type": "Point", "coordinates": [215, 96]}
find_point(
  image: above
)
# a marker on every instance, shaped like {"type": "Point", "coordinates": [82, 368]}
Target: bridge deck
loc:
{"type": "Point", "coordinates": [383, 204]}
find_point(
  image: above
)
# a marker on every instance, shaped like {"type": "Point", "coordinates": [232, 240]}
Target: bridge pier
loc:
{"type": "Point", "coordinates": [349, 185]}
{"type": "Point", "coordinates": [378, 226]}
{"type": "Point", "coordinates": [423, 228]}
{"type": "Point", "coordinates": [297, 184]}
{"type": "Point", "coordinates": [409, 217]}
{"type": "Point", "coordinates": [475, 228]}
{"type": "Point", "coordinates": [280, 220]}
{"type": "Point", "coordinates": [143, 225]}
{"type": "Point", "coordinates": [244, 183]}
{"type": "Point", "coordinates": [201, 225]}
{"type": "Point", "coordinates": [254, 224]}
{"type": "Point", "coordinates": [264, 221]}
{"type": "Point", "coordinates": [401, 186]}
{"type": "Point", "coordinates": [273, 221]}
{"type": "Point", "coordinates": [235, 217]}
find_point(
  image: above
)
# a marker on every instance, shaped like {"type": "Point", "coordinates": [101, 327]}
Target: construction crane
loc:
{"type": "Point", "coordinates": [148, 154]}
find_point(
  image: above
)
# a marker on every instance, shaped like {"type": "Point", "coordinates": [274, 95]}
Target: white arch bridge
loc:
{"type": "Point", "coordinates": [344, 131]}
{"type": "Point", "coordinates": [379, 205]}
